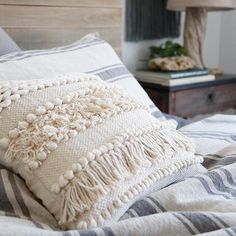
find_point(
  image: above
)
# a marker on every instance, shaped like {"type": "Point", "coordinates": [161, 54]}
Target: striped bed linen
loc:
{"type": "Point", "coordinates": [17, 201]}
{"type": "Point", "coordinates": [215, 139]}
{"type": "Point", "coordinates": [204, 204]}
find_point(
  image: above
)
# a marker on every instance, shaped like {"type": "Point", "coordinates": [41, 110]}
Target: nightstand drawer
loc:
{"type": "Point", "coordinates": [193, 99]}
{"type": "Point", "coordinates": [204, 100]}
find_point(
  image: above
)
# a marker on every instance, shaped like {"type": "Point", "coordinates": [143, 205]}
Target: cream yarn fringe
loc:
{"type": "Point", "coordinates": [113, 162]}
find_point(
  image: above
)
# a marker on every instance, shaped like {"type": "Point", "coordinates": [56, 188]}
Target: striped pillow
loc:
{"type": "Point", "coordinates": [17, 201]}
{"type": "Point", "coordinates": [91, 54]}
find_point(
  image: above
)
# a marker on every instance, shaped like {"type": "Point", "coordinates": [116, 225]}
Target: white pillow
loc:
{"type": "Point", "coordinates": [91, 54]}
{"type": "Point", "coordinates": [87, 148]}
{"type": "Point", "coordinates": [7, 44]}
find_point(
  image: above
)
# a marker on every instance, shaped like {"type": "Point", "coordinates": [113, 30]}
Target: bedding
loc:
{"type": "Point", "coordinates": [91, 54]}
{"type": "Point", "coordinates": [189, 202]}
{"type": "Point", "coordinates": [203, 204]}
{"type": "Point", "coordinates": [87, 148]}
{"type": "Point", "coordinates": [180, 122]}
{"type": "Point", "coordinates": [17, 201]}
{"type": "Point", "coordinates": [7, 44]}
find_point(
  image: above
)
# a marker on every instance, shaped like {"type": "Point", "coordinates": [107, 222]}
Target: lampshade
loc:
{"type": "Point", "coordinates": [211, 5]}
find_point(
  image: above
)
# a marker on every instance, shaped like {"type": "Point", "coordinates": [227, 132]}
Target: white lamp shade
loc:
{"type": "Point", "coordinates": [211, 5]}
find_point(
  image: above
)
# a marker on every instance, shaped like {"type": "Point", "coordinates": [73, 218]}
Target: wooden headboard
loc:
{"type": "Point", "coordinates": [37, 24]}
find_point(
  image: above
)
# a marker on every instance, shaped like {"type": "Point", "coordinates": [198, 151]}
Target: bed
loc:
{"type": "Point", "coordinates": [200, 202]}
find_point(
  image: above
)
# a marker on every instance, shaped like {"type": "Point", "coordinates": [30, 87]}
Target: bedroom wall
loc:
{"type": "Point", "coordinates": [228, 42]}
{"type": "Point", "coordinates": [135, 54]}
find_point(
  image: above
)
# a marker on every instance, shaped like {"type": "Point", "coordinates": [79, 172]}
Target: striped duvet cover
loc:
{"type": "Point", "coordinates": [203, 204]}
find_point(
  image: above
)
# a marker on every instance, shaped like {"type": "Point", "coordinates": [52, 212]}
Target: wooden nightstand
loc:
{"type": "Point", "coordinates": [194, 99]}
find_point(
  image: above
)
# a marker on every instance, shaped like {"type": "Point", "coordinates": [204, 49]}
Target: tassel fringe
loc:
{"type": "Point", "coordinates": [128, 154]}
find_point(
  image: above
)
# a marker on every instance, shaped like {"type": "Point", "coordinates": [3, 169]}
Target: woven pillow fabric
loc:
{"type": "Point", "coordinates": [85, 147]}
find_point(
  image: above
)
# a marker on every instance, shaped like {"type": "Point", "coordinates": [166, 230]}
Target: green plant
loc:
{"type": "Point", "coordinates": [167, 49]}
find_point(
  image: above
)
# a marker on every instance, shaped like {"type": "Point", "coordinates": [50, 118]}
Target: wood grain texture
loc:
{"type": "Point", "coordinates": [38, 24]}
{"type": "Point", "coordinates": [58, 17]}
{"type": "Point", "coordinates": [67, 3]}
{"type": "Point", "coordinates": [35, 38]}
{"type": "Point", "coordinates": [192, 102]}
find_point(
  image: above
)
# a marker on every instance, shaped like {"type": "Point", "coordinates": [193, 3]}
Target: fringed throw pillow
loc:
{"type": "Point", "coordinates": [85, 147]}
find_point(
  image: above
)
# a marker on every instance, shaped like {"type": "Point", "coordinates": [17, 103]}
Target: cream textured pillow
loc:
{"type": "Point", "coordinates": [85, 147]}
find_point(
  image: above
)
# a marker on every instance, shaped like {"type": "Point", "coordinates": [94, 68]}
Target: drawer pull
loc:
{"type": "Point", "coordinates": [210, 97]}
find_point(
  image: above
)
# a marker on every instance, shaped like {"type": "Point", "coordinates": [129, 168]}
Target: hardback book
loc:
{"type": "Point", "coordinates": [170, 75]}
{"type": "Point", "coordinates": [176, 82]}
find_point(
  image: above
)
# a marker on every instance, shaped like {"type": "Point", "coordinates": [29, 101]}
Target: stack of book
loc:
{"type": "Point", "coordinates": [174, 78]}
